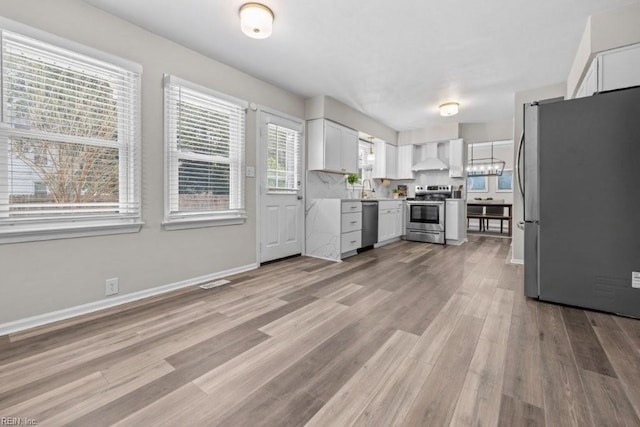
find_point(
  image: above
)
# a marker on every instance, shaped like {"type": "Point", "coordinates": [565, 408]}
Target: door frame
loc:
{"type": "Point", "coordinates": [260, 110]}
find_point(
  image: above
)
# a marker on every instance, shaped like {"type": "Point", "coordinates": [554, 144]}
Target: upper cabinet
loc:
{"type": "Point", "coordinates": [386, 161]}
{"type": "Point", "coordinates": [456, 158]}
{"type": "Point", "coordinates": [618, 68]}
{"type": "Point", "coordinates": [405, 162]}
{"type": "Point", "coordinates": [613, 69]}
{"type": "Point", "coordinates": [332, 147]}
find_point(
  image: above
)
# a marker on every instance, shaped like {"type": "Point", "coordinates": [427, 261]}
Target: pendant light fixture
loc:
{"type": "Point", "coordinates": [449, 109]}
{"type": "Point", "coordinates": [486, 166]}
{"type": "Point", "coordinates": [256, 20]}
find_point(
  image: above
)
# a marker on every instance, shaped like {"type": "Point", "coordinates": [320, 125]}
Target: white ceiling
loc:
{"type": "Point", "coordinates": [395, 61]}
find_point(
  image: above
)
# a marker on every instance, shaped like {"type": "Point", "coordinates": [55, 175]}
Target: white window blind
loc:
{"type": "Point", "coordinates": [283, 158]}
{"type": "Point", "coordinates": [69, 143]}
{"type": "Point", "coordinates": [204, 134]}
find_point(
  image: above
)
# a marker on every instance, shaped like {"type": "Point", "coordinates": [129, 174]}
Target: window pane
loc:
{"type": "Point", "coordinates": [202, 130]}
{"type": "Point", "coordinates": [50, 97]}
{"type": "Point", "coordinates": [283, 158]}
{"type": "Point", "coordinates": [48, 177]}
{"type": "Point", "coordinates": [203, 186]}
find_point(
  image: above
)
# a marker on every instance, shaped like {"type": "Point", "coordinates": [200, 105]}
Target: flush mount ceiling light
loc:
{"type": "Point", "coordinates": [449, 109]}
{"type": "Point", "coordinates": [256, 20]}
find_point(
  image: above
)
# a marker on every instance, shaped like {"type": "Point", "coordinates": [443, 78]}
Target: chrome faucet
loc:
{"type": "Point", "coordinates": [363, 194]}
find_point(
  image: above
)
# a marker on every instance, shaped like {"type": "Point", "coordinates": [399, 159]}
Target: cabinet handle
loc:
{"type": "Point", "coordinates": [354, 222]}
{"type": "Point", "coordinates": [353, 241]}
{"type": "Point", "coordinates": [354, 207]}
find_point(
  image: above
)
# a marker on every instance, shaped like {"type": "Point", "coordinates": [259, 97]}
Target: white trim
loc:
{"type": "Point", "coordinates": [79, 310]}
{"type": "Point", "coordinates": [39, 234]}
{"type": "Point", "coordinates": [170, 79]}
{"type": "Point", "coordinates": [518, 261]}
{"type": "Point", "coordinates": [202, 223]}
{"type": "Point", "coordinates": [61, 42]}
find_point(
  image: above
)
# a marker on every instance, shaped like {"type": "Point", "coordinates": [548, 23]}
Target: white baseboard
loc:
{"type": "Point", "coordinates": [517, 261]}
{"type": "Point", "coordinates": [79, 310]}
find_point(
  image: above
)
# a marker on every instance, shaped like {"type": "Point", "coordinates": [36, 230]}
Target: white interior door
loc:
{"type": "Point", "coordinates": [281, 204]}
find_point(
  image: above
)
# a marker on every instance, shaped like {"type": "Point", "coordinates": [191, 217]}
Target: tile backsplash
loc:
{"type": "Point", "coordinates": [325, 185]}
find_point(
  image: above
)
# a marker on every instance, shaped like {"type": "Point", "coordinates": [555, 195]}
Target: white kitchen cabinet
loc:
{"type": "Point", "coordinates": [390, 224]}
{"type": "Point", "coordinates": [613, 69]}
{"type": "Point", "coordinates": [332, 147]}
{"type": "Point", "coordinates": [334, 228]}
{"type": "Point", "coordinates": [456, 158]}
{"type": "Point", "coordinates": [405, 162]}
{"type": "Point", "coordinates": [454, 222]}
{"type": "Point", "coordinates": [386, 161]}
{"type": "Point", "coordinates": [619, 68]}
{"type": "Point", "coordinates": [386, 225]}
{"type": "Point", "coordinates": [400, 220]}
{"type": "Point", "coordinates": [391, 161]}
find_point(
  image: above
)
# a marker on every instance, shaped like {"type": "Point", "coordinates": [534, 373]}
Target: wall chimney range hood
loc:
{"type": "Point", "coordinates": [430, 160]}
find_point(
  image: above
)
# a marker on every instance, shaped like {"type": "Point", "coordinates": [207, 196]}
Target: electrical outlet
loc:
{"type": "Point", "coordinates": [111, 286]}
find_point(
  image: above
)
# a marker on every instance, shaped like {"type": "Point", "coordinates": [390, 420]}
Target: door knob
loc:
{"type": "Point", "coordinates": [299, 197]}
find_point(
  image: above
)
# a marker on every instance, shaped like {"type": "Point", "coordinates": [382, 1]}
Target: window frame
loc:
{"type": "Point", "coordinates": [173, 218]}
{"type": "Point", "coordinates": [296, 160]}
{"type": "Point", "coordinates": [15, 230]}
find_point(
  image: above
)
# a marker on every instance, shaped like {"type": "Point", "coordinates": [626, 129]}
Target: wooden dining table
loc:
{"type": "Point", "coordinates": [483, 216]}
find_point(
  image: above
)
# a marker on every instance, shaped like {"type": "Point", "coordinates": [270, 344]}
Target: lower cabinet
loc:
{"type": "Point", "coordinates": [333, 228]}
{"type": "Point", "coordinates": [390, 220]}
{"type": "Point", "coordinates": [454, 222]}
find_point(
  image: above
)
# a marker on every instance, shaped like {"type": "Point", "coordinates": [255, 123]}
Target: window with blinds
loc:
{"type": "Point", "coordinates": [204, 138]}
{"type": "Point", "coordinates": [283, 159]}
{"type": "Point", "coordinates": [365, 160]}
{"type": "Point", "coordinates": [69, 138]}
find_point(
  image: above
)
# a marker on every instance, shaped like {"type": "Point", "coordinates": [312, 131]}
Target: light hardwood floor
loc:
{"type": "Point", "coordinates": [409, 334]}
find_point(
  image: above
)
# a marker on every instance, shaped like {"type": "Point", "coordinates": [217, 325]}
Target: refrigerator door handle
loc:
{"type": "Point", "coordinates": [518, 168]}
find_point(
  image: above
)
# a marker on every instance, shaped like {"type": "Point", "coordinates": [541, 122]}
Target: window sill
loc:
{"type": "Point", "coordinates": [67, 232]}
{"type": "Point", "coordinates": [188, 223]}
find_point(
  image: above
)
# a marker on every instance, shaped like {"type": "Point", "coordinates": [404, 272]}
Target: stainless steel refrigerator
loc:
{"type": "Point", "coordinates": [580, 172]}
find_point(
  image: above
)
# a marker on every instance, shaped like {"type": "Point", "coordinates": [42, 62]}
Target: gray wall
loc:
{"type": "Point", "coordinates": [325, 107]}
{"type": "Point", "coordinates": [553, 91]}
{"type": "Point", "coordinates": [499, 130]}
{"type": "Point", "coordinates": [45, 276]}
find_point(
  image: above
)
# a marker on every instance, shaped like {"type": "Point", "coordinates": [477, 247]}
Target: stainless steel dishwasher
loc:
{"type": "Point", "coordinates": [369, 223]}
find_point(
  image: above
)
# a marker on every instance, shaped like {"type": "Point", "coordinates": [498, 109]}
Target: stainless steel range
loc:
{"type": "Point", "coordinates": [425, 214]}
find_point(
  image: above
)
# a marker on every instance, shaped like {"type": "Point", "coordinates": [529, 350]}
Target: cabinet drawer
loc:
{"type": "Point", "coordinates": [351, 221]}
{"type": "Point", "coordinates": [384, 205]}
{"type": "Point", "coordinates": [351, 241]}
{"type": "Point", "coordinates": [351, 207]}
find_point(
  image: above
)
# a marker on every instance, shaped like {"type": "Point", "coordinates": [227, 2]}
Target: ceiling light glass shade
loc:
{"type": "Point", "coordinates": [449, 109]}
{"type": "Point", "coordinates": [256, 20]}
